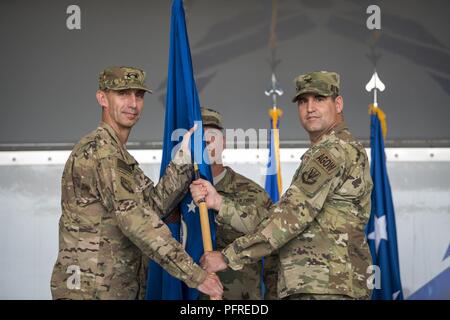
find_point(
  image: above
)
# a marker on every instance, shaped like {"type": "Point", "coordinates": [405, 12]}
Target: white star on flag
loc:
{"type": "Point", "coordinates": [191, 207]}
{"type": "Point", "coordinates": [395, 295]}
{"type": "Point", "coordinates": [380, 231]}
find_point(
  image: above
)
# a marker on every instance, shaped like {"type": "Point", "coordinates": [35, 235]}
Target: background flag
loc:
{"type": "Point", "coordinates": [380, 230]}
{"type": "Point", "coordinates": [273, 178]}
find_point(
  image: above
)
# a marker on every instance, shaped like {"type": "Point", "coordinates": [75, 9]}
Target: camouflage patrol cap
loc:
{"type": "Point", "coordinates": [211, 118]}
{"type": "Point", "coordinates": [120, 78]}
{"type": "Point", "coordinates": [321, 82]}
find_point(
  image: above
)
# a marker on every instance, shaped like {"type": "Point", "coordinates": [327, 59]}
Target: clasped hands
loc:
{"type": "Point", "coordinates": [203, 190]}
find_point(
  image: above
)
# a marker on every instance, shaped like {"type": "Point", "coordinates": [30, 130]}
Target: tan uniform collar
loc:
{"type": "Point", "coordinates": [339, 127]}
{"type": "Point", "coordinates": [221, 175]}
{"type": "Point", "coordinates": [111, 132]}
{"type": "Point", "coordinates": [129, 159]}
{"type": "Point", "coordinates": [225, 184]}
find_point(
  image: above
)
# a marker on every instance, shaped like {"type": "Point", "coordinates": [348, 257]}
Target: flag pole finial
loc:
{"type": "Point", "coordinates": [375, 84]}
{"type": "Point", "coordinates": [274, 91]}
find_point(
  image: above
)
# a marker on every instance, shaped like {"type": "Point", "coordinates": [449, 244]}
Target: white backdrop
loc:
{"type": "Point", "coordinates": [30, 209]}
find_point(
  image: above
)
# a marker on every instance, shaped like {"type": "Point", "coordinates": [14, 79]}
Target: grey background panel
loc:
{"type": "Point", "coordinates": [49, 73]}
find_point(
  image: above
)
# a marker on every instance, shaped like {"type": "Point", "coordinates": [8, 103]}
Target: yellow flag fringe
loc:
{"type": "Point", "coordinates": [275, 114]}
{"type": "Point", "coordinates": [381, 116]}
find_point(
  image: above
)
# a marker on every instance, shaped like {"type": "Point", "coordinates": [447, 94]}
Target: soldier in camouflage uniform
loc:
{"type": "Point", "coordinates": [111, 210]}
{"type": "Point", "coordinates": [318, 224]}
{"type": "Point", "coordinates": [230, 224]}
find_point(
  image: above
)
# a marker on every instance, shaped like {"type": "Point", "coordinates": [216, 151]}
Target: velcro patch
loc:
{"type": "Point", "coordinates": [123, 167]}
{"type": "Point", "coordinates": [326, 161]}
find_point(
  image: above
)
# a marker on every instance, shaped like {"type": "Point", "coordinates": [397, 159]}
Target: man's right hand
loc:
{"type": "Point", "coordinates": [203, 189]}
{"type": "Point", "coordinates": [212, 287]}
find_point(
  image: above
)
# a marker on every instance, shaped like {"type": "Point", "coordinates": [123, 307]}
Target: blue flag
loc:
{"type": "Point", "coordinates": [182, 110]}
{"type": "Point", "coordinates": [273, 178]}
{"type": "Point", "coordinates": [380, 230]}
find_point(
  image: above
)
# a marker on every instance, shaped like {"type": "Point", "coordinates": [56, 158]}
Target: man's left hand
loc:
{"type": "Point", "coordinates": [185, 144]}
{"type": "Point", "coordinates": [184, 157]}
{"type": "Point", "coordinates": [213, 261]}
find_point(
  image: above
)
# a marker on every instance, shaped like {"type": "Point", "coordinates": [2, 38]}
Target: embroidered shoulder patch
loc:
{"type": "Point", "coordinates": [310, 176]}
{"type": "Point", "coordinates": [317, 171]}
{"type": "Point", "coordinates": [326, 161]}
{"type": "Point", "coordinates": [123, 167]}
{"type": "Point", "coordinates": [125, 188]}
{"type": "Point", "coordinates": [126, 184]}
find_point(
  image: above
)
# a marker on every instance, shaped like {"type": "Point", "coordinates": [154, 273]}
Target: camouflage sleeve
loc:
{"type": "Point", "coordinates": [297, 208]}
{"type": "Point", "coordinates": [172, 186]}
{"type": "Point", "coordinates": [270, 276]}
{"type": "Point", "coordinates": [245, 212]}
{"type": "Point", "coordinates": [139, 222]}
{"type": "Point", "coordinates": [143, 271]}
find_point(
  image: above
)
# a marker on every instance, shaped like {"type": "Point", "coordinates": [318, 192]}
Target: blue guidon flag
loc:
{"type": "Point", "coordinates": [182, 110]}
{"type": "Point", "coordinates": [381, 230]}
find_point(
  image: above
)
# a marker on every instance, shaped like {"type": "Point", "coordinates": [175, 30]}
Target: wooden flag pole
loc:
{"type": "Point", "coordinates": [204, 222]}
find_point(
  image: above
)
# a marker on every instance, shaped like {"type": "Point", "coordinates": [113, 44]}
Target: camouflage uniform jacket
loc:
{"type": "Point", "coordinates": [110, 218]}
{"type": "Point", "coordinates": [318, 224]}
{"type": "Point", "coordinates": [231, 224]}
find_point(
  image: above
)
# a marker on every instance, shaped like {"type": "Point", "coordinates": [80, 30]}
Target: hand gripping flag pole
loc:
{"type": "Point", "coordinates": [204, 222]}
